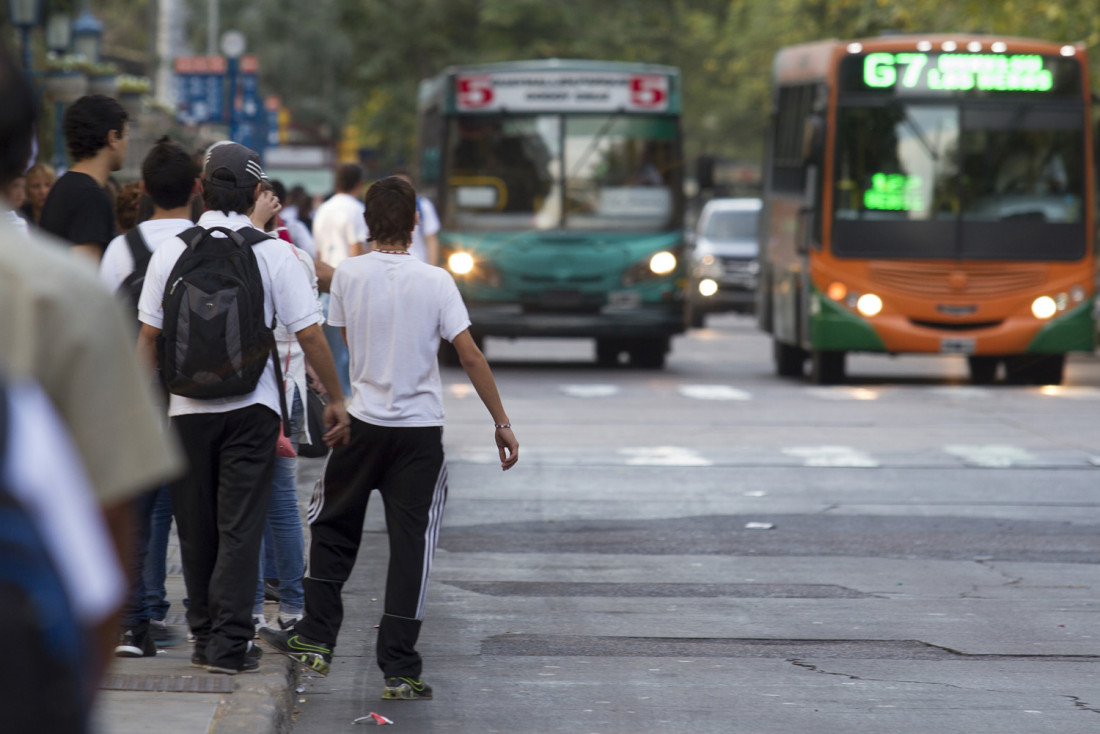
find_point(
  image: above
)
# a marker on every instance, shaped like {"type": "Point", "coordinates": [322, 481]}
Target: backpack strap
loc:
{"type": "Point", "coordinates": [139, 249]}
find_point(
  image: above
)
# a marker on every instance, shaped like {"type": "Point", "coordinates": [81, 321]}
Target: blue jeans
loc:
{"type": "Point", "coordinates": [283, 531]}
{"type": "Point", "coordinates": [136, 611]}
{"type": "Point", "coordinates": [339, 351]}
{"type": "Point", "coordinates": [154, 571]}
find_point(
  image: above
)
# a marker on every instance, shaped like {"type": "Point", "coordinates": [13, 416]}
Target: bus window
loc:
{"type": "Point", "coordinates": [897, 162]}
{"type": "Point", "coordinates": [620, 172]}
{"type": "Point", "coordinates": [1019, 165]}
{"type": "Point", "coordinates": [504, 173]}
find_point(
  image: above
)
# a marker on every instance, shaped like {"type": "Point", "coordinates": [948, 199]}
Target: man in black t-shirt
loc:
{"type": "Point", "coordinates": [78, 208]}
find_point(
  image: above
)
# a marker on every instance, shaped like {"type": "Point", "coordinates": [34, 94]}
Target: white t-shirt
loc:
{"type": "Point", "coordinates": [45, 474]}
{"type": "Point", "coordinates": [118, 263]}
{"type": "Point", "coordinates": [337, 225]}
{"type": "Point", "coordinates": [396, 309]}
{"type": "Point", "coordinates": [287, 293]}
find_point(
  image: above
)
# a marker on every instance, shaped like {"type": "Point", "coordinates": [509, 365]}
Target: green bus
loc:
{"type": "Point", "coordinates": [559, 188]}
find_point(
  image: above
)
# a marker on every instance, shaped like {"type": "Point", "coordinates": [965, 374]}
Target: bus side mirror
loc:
{"type": "Point", "coordinates": [813, 140]}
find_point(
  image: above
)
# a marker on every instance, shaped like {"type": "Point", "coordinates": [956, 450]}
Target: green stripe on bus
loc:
{"type": "Point", "coordinates": [833, 328]}
{"type": "Point", "coordinates": [1073, 332]}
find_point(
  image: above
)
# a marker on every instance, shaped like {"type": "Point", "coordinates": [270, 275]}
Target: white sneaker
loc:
{"type": "Point", "coordinates": [258, 622]}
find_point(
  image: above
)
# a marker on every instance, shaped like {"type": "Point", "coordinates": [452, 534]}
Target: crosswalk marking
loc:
{"type": "Point", "coordinates": [845, 393]}
{"type": "Point", "coordinates": [664, 456]}
{"type": "Point", "coordinates": [831, 456]}
{"type": "Point", "coordinates": [713, 392]}
{"type": "Point", "coordinates": [825, 457]}
{"type": "Point", "coordinates": [590, 391]}
{"type": "Point", "coordinates": [993, 455]}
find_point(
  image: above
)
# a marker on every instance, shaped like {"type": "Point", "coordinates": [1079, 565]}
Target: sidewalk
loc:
{"type": "Point", "coordinates": [168, 695]}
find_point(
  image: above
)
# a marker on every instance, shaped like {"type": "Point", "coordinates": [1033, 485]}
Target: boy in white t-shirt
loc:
{"type": "Point", "coordinates": [393, 310]}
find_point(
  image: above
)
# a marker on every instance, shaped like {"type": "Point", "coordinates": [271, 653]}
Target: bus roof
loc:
{"type": "Point", "coordinates": [564, 65]}
{"type": "Point", "coordinates": [808, 62]}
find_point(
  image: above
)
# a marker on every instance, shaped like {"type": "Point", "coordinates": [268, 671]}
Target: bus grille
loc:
{"type": "Point", "coordinates": [953, 326]}
{"type": "Point", "coordinates": [995, 279]}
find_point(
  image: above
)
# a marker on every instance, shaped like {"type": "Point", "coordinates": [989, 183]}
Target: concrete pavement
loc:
{"type": "Point", "coordinates": [166, 694]}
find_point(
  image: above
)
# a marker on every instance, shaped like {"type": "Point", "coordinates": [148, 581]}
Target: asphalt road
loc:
{"type": "Point", "coordinates": [711, 548]}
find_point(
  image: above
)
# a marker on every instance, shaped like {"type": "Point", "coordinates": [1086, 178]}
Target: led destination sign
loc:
{"type": "Point", "coordinates": [960, 73]}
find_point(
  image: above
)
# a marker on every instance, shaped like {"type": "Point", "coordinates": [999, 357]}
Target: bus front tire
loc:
{"type": "Point", "coordinates": [790, 361]}
{"type": "Point", "coordinates": [983, 370]}
{"type": "Point", "coordinates": [828, 367]}
{"type": "Point", "coordinates": [1035, 369]}
{"type": "Point", "coordinates": [649, 354]}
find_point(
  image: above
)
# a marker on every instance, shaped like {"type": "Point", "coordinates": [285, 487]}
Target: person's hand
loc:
{"type": "Point", "coordinates": [338, 422]}
{"type": "Point", "coordinates": [267, 205]}
{"type": "Point", "coordinates": [508, 447]}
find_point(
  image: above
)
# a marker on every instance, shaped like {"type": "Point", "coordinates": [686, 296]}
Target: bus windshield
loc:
{"type": "Point", "coordinates": [579, 172]}
{"type": "Point", "coordinates": [1001, 162]}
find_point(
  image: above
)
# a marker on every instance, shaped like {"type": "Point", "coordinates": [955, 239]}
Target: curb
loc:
{"type": "Point", "coordinates": [262, 702]}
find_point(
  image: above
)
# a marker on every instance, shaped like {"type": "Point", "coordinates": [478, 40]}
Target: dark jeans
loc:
{"type": "Point", "coordinates": [155, 572]}
{"type": "Point", "coordinates": [220, 506]}
{"type": "Point", "coordinates": [135, 611]}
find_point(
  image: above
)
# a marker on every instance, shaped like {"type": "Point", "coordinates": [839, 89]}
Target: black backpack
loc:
{"type": "Point", "coordinates": [130, 289]}
{"type": "Point", "coordinates": [214, 342]}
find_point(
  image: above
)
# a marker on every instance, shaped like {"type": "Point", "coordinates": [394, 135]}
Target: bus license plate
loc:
{"type": "Point", "coordinates": [956, 345]}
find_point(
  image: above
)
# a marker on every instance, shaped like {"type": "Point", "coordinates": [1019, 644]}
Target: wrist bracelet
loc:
{"type": "Point", "coordinates": [502, 425]}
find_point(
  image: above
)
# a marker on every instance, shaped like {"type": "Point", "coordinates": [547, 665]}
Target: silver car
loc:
{"type": "Point", "coordinates": [724, 266]}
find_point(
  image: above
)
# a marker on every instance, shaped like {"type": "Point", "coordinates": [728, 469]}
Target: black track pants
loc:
{"type": "Point", "coordinates": [406, 465]}
{"type": "Point", "coordinates": [220, 508]}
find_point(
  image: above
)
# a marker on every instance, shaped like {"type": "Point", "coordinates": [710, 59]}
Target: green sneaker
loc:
{"type": "Point", "coordinates": [407, 689]}
{"type": "Point", "coordinates": [317, 656]}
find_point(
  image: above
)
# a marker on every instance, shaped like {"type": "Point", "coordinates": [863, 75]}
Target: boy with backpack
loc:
{"type": "Point", "coordinates": [169, 179]}
{"type": "Point", "coordinates": [209, 300]}
{"type": "Point", "coordinates": [396, 440]}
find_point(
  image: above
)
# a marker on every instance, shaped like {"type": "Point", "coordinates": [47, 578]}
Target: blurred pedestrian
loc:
{"type": "Point", "coordinates": [339, 233]}
{"type": "Point", "coordinates": [229, 440]}
{"type": "Point", "coordinates": [169, 179]}
{"type": "Point", "coordinates": [16, 194]}
{"type": "Point", "coordinates": [126, 207]}
{"type": "Point", "coordinates": [64, 330]}
{"type": "Point", "coordinates": [79, 207]}
{"type": "Point", "coordinates": [40, 179]}
{"type": "Point", "coordinates": [298, 231]}
{"type": "Point", "coordinates": [393, 310]}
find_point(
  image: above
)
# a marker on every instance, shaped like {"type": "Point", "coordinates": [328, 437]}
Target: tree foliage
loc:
{"type": "Point", "coordinates": [360, 61]}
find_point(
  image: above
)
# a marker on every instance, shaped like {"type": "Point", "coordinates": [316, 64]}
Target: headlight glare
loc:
{"type": "Point", "coordinates": [869, 304]}
{"type": "Point", "coordinates": [662, 263]}
{"type": "Point", "coordinates": [1044, 307]}
{"type": "Point", "coordinates": [460, 263]}
{"type": "Point", "coordinates": [707, 287]}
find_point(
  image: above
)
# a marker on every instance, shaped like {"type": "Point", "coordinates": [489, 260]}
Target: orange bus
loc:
{"type": "Point", "coordinates": [929, 194]}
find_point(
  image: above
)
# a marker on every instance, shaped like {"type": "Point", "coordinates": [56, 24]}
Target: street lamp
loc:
{"type": "Point", "coordinates": [59, 33]}
{"type": "Point", "coordinates": [233, 46]}
{"type": "Point", "coordinates": [25, 15]}
{"type": "Point", "coordinates": [87, 36]}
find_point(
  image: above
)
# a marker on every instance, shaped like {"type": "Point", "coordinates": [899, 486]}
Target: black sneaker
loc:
{"type": "Point", "coordinates": [317, 656]}
{"type": "Point", "coordinates": [136, 642]}
{"type": "Point", "coordinates": [250, 664]}
{"type": "Point", "coordinates": [198, 659]}
{"type": "Point", "coordinates": [407, 689]}
{"type": "Point", "coordinates": [271, 589]}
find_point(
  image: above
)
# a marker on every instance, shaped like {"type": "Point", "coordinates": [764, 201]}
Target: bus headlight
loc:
{"type": "Point", "coordinates": [869, 304]}
{"type": "Point", "coordinates": [662, 263]}
{"type": "Point", "coordinates": [1044, 307]}
{"type": "Point", "coordinates": [707, 288]}
{"type": "Point", "coordinates": [460, 263]}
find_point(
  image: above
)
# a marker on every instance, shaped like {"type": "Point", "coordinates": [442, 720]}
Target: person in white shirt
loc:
{"type": "Point", "coordinates": [230, 442]}
{"type": "Point", "coordinates": [339, 232]}
{"type": "Point", "coordinates": [393, 310]}
{"type": "Point", "coordinates": [169, 179]}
